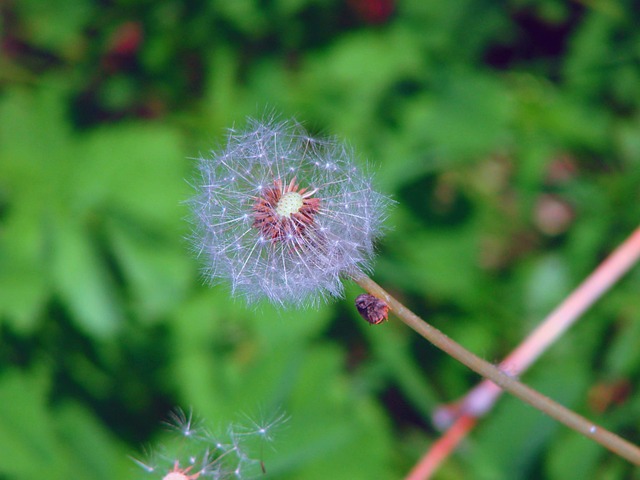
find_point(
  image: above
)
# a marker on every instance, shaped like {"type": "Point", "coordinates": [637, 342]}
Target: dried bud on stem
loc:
{"type": "Point", "coordinates": [372, 309]}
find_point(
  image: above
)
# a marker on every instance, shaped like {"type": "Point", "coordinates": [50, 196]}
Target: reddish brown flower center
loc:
{"type": "Point", "coordinates": [283, 212]}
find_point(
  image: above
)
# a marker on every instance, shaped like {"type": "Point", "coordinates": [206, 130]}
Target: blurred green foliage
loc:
{"type": "Point", "coordinates": [508, 132]}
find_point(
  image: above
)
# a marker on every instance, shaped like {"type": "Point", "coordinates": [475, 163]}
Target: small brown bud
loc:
{"type": "Point", "coordinates": [372, 309]}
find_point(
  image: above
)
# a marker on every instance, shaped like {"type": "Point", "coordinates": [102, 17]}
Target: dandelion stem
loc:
{"type": "Point", "coordinates": [460, 417]}
{"type": "Point", "coordinates": [556, 411]}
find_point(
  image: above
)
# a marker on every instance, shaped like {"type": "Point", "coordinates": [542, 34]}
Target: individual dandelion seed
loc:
{"type": "Point", "coordinates": [263, 428]}
{"type": "Point", "coordinates": [184, 423]}
{"type": "Point", "coordinates": [284, 216]}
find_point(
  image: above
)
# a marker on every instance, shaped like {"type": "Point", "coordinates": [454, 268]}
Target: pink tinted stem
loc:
{"type": "Point", "coordinates": [481, 399]}
{"type": "Point", "coordinates": [442, 448]}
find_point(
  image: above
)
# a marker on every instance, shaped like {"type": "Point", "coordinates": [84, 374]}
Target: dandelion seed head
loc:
{"type": "Point", "coordinates": [197, 453]}
{"type": "Point", "coordinates": [282, 216]}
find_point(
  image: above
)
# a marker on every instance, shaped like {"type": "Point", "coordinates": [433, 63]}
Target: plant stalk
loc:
{"type": "Point", "coordinates": [556, 411]}
{"type": "Point", "coordinates": [461, 416]}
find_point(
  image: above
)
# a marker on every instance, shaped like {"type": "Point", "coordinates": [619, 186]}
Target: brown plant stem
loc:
{"type": "Point", "coordinates": [482, 398]}
{"type": "Point", "coordinates": [607, 439]}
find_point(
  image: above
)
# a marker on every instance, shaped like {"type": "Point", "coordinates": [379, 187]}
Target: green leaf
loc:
{"type": "Point", "coordinates": [574, 457]}
{"type": "Point", "coordinates": [136, 171]}
{"type": "Point", "coordinates": [83, 281]}
{"type": "Point", "coordinates": [157, 271]}
{"type": "Point", "coordinates": [24, 288]}
{"type": "Point", "coordinates": [58, 26]}
{"type": "Point", "coordinates": [27, 436]}
{"type": "Point", "coordinates": [547, 283]}
{"type": "Point", "coordinates": [90, 450]}
{"type": "Point", "coordinates": [332, 431]}
{"type": "Point", "coordinates": [468, 117]}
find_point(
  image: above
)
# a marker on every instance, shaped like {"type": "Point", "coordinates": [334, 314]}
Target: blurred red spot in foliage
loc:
{"type": "Point", "coordinates": [373, 11]}
{"type": "Point", "coordinates": [561, 170]}
{"type": "Point", "coordinates": [123, 46]}
{"type": "Point", "coordinates": [126, 39]}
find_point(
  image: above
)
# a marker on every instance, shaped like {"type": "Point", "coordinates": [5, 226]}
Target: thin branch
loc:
{"type": "Point", "coordinates": [609, 440]}
{"type": "Point", "coordinates": [588, 292]}
{"type": "Point", "coordinates": [482, 398]}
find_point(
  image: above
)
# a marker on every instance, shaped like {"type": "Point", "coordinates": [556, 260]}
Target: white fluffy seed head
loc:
{"type": "Point", "coordinates": [283, 216]}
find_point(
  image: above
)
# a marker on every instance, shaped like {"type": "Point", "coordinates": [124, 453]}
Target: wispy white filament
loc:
{"type": "Point", "coordinates": [300, 268]}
